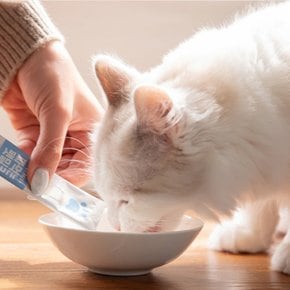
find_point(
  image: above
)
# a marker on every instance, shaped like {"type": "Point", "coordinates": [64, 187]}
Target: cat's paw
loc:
{"type": "Point", "coordinates": [281, 258]}
{"type": "Point", "coordinates": [234, 238]}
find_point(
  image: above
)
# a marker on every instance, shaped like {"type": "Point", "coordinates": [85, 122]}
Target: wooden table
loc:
{"type": "Point", "coordinates": [28, 260]}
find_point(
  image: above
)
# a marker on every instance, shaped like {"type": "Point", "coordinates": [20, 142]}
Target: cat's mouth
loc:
{"type": "Point", "coordinates": [154, 229]}
{"type": "Point", "coordinates": [166, 223]}
{"type": "Point", "coordinates": [161, 225]}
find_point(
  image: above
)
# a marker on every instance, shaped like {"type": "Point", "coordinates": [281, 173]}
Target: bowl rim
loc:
{"type": "Point", "coordinates": [197, 228]}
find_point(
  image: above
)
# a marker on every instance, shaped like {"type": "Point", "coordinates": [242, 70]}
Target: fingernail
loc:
{"type": "Point", "coordinates": [39, 182]}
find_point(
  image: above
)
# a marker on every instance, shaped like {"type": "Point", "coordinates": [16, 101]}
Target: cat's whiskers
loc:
{"type": "Point", "coordinates": [80, 170]}
{"type": "Point", "coordinates": [84, 146]}
{"type": "Point", "coordinates": [67, 160]}
{"type": "Point", "coordinates": [77, 150]}
{"type": "Point", "coordinates": [80, 142]}
{"type": "Point", "coordinates": [50, 143]}
{"type": "Point", "coordinates": [76, 170]}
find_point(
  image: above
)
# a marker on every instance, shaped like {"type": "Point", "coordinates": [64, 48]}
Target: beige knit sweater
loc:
{"type": "Point", "coordinates": [24, 27]}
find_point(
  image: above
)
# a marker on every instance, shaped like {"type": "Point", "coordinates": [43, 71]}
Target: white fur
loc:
{"type": "Point", "coordinates": [228, 147]}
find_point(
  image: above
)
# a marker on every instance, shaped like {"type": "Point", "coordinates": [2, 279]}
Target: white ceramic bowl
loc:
{"type": "Point", "coordinates": [117, 253]}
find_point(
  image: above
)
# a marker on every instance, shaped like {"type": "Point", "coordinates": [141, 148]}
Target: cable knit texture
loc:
{"type": "Point", "coordinates": [24, 27]}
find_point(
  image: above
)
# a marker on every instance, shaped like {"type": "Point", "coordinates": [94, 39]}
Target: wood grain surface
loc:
{"type": "Point", "coordinates": [28, 260]}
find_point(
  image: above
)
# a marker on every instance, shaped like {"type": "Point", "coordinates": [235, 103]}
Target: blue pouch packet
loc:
{"type": "Point", "coordinates": [61, 196]}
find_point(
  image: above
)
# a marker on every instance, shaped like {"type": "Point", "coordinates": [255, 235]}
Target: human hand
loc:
{"type": "Point", "coordinates": [53, 111]}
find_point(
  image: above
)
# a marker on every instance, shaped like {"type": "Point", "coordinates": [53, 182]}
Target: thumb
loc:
{"type": "Point", "coordinates": [47, 152]}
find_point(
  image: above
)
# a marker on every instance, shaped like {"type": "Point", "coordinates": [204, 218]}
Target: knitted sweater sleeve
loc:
{"type": "Point", "coordinates": [24, 27]}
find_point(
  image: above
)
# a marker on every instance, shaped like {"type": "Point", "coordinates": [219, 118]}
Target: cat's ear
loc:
{"type": "Point", "coordinates": [115, 78]}
{"type": "Point", "coordinates": [155, 110]}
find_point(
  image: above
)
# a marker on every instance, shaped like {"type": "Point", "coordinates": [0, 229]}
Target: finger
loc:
{"type": "Point", "coordinates": [27, 138]}
{"type": "Point", "coordinates": [48, 150]}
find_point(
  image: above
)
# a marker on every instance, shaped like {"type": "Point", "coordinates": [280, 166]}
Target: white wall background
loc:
{"type": "Point", "coordinates": [138, 32]}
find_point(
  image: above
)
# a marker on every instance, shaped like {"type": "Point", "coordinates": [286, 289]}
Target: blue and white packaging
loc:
{"type": "Point", "coordinates": [61, 196]}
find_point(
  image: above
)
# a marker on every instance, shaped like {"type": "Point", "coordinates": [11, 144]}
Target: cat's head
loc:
{"type": "Point", "coordinates": [141, 155]}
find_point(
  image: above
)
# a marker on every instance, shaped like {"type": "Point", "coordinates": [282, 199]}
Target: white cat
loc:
{"type": "Point", "coordinates": [207, 130]}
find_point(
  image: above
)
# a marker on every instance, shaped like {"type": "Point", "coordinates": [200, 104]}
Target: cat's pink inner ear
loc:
{"type": "Point", "coordinates": [113, 80]}
{"type": "Point", "coordinates": [152, 107]}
